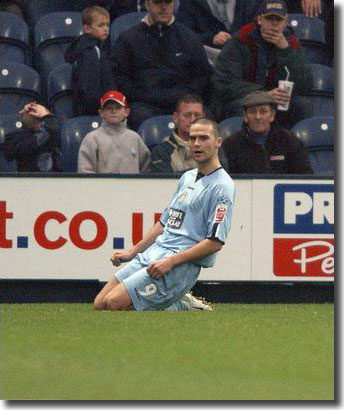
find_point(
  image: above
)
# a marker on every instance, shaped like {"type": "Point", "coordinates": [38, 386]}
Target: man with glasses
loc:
{"type": "Point", "coordinates": [262, 147]}
{"type": "Point", "coordinates": [157, 62]}
{"type": "Point", "coordinates": [113, 148]}
{"type": "Point", "coordinates": [174, 155]}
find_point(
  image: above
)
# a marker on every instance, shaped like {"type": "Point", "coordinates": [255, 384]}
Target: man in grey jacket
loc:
{"type": "Point", "coordinates": [173, 155]}
{"type": "Point", "coordinates": [113, 148]}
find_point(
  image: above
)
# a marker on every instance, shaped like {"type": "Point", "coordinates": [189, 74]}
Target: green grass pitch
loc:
{"type": "Point", "coordinates": [237, 352]}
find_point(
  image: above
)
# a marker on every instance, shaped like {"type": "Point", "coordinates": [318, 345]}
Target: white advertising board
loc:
{"type": "Point", "coordinates": [68, 227]}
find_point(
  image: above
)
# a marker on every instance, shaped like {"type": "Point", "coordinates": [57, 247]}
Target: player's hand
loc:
{"type": "Point", "coordinates": [118, 257]}
{"type": "Point", "coordinates": [159, 268]}
{"type": "Point", "coordinates": [280, 95]}
{"type": "Point", "coordinates": [220, 38]}
{"type": "Point", "coordinates": [275, 37]}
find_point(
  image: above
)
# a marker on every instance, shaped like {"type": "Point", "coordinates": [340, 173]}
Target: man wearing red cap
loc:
{"type": "Point", "coordinates": [113, 148]}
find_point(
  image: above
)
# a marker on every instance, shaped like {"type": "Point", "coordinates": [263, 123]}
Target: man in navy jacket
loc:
{"type": "Point", "coordinates": [211, 29]}
{"type": "Point", "coordinates": [157, 62]}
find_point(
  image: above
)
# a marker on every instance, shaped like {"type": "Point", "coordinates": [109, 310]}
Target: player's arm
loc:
{"type": "Point", "coordinates": [199, 251]}
{"type": "Point", "coordinates": [124, 256]}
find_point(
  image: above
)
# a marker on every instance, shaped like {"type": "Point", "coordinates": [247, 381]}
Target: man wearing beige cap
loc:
{"type": "Point", "coordinates": [260, 55]}
{"type": "Point", "coordinates": [113, 148]}
{"type": "Point", "coordinates": [262, 147]}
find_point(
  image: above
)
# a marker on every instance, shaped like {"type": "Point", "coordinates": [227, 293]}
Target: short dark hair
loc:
{"type": "Point", "coordinates": [88, 13]}
{"type": "Point", "coordinates": [207, 121]}
{"type": "Point", "coordinates": [188, 99]}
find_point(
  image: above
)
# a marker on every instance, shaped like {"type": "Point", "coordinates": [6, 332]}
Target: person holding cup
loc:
{"type": "Point", "coordinates": [263, 55]}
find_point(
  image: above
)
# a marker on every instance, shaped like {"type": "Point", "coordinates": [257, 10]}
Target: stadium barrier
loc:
{"type": "Point", "coordinates": [66, 227]}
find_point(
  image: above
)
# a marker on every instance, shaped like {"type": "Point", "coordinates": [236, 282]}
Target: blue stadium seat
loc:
{"type": "Point", "coordinates": [19, 84]}
{"type": "Point", "coordinates": [230, 126]}
{"type": "Point", "coordinates": [155, 129]}
{"type": "Point", "coordinates": [35, 9]}
{"type": "Point", "coordinates": [123, 23]}
{"type": "Point", "coordinates": [60, 92]}
{"type": "Point", "coordinates": [323, 80]}
{"type": "Point", "coordinates": [317, 134]}
{"type": "Point", "coordinates": [53, 34]}
{"type": "Point", "coordinates": [72, 133]}
{"type": "Point", "coordinates": [310, 33]}
{"type": "Point", "coordinates": [307, 28]}
{"type": "Point", "coordinates": [320, 99]}
{"type": "Point", "coordinates": [14, 39]}
{"type": "Point", "coordinates": [9, 124]}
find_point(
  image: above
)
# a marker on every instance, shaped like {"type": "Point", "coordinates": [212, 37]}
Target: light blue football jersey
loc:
{"type": "Point", "coordinates": [201, 208]}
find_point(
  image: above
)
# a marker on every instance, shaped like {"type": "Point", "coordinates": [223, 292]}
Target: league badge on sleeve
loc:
{"type": "Point", "coordinates": [220, 212]}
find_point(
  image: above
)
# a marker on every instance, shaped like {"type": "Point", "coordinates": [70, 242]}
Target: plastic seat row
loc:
{"type": "Point", "coordinates": [317, 134]}
{"type": "Point", "coordinates": [20, 84]}
{"type": "Point", "coordinates": [53, 32]}
{"type": "Point", "coordinates": [36, 9]}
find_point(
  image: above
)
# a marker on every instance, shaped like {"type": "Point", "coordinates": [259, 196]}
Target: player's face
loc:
{"type": "Point", "coordinates": [204, 144]}
{"type": "Point", "coordinates": [185, 116]}
{"type": "Point", "coordinates": [160, 12]}
{"type": "Point", "coordinates": [271, 23]}
{"type": "Point", "coordinates": [259, 118]}
{"type": "Point", "coordinates": [114, 113]}
{"type": "Point", "coordinates": [99, 28]}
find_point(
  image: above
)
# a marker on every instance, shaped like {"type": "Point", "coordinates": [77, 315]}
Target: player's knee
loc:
{"type": "Point", "coordinates": [98, 303]}
{"type": "Point", "coordinates": [112, 302]}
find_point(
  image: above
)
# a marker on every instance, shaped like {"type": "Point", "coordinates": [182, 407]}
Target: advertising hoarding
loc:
{"type": "Point", "coordinates": [67, 228]}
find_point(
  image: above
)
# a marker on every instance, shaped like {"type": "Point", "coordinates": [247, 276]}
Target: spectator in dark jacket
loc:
{"type": "Point", "coordinates": [215, 21]}
{"type": "Point", "coordinates": [157, 62]}
{"type": "Point", "coordinates": [262, 147]}
{"type": "Point", "coordinates": [256, 58]}
{"type": "Point", "coordinates": [93, 71]}
{"type": "Point", "coordinates": [36, 147]}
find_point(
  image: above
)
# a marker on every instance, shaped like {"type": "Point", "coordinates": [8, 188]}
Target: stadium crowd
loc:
{"type": "Point", "coordinates": [118, 83]}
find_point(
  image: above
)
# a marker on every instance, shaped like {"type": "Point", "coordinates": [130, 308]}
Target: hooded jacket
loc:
{"type": "Point", "coordinates": [92, 73]}
{"type": "Point", "coordinates": [113, 148]}
{"type": "Point", "coordinates": [248, 63]}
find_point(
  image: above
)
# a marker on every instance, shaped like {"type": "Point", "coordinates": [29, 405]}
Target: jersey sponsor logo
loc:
{"type": "Point", "coordinates": [175, 218]}
{"type": "Point", "coordinates": [304, 230]}
{"type": "Point", "coordinates": [220, 213]}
